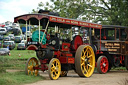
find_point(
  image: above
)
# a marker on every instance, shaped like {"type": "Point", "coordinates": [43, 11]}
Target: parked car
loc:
{"type": "Point", "coordinates": [23, 36]}
{"type": "Point", "coordinates": [9, 44]}
{"type": "Point", "coordinates": [2, 25]}
{"type": "Point", "coordinates": [3, 31]}
{"type": "Point", "coordinates": [15, 25]}
{"type": "Point", "coordinates": [0, 44]}
{"type": "Point", "coordinates": [6, 39]}
{"type": "Point", "coordinates": [16, 31]}
{"type": "Point", "coordinates": [18, 39]}
{"type": "Point", "coordinates": [1, 37]}
{"type": "Point", "coordinates": [8, 28]}
{"type": "Point", "coordinates": [4, 51]}
{"type": "Point", "coordinates": [21, 46]}
{"type": "Point", "coordinates": [11, 36]}
{"type": "Point", "coordinates": [23, 41]}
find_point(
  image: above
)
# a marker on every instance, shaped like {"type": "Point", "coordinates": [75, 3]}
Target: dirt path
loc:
{"type": "Point", "coordinates": [111, 78]}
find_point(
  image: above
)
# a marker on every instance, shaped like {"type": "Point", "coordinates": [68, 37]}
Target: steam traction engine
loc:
{"type": "Point", "coordinates": [61, 45]}
{"type": "Point", "coordinates": [112, 41]}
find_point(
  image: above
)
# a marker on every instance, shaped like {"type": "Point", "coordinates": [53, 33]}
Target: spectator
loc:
{"type": "Point", "coordinates": [8, 46]}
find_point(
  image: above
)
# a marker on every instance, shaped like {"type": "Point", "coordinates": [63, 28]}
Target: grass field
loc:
{"type": "Point", "coordinates": [17, 78]}
{"type": "Point", "coordinates": [17, 59]}
{"type": "Point", "coordinates": [16, 62]}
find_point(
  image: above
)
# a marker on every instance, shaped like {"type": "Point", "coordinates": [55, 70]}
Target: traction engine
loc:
{"type": "Point", "coordinates": [58, 51]}
{"type": "Point", "coordinates": [58, 57]}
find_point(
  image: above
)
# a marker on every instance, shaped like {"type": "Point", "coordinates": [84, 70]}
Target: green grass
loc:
{"type": "Point", "coordinates": [16, 62]}
{"type": "Point", "coordinates": [24, 54]}
{"type": "Point", "coordinates": [119, 68]}
{"type": "Point", "coordinates": [18, 78]}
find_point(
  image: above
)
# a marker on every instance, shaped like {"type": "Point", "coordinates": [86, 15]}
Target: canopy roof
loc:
{"type": "Point", "coordinates": [54, 21]}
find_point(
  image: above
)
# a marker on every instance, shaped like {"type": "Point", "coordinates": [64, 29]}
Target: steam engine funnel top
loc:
{"type": "Point", "coordinates": [48, 12]}
{"type": "Point", "coordinates": [43, 11]}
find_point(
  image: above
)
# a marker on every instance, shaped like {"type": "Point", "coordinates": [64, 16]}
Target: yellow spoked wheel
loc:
{"type": "Point", "coordinates": [63, 73]}
{"type": "Point", "coordinates": [54, 69]}
{"type": "Point", "coordinates": [31, 63]}
{"type": "Point", "coordinates": [84, 61]}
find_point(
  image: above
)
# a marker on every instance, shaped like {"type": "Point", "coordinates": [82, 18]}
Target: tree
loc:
{"type": "Point", "coordinates": [66, 8]}
{"type": "Point", "coordinates": [113, 12]}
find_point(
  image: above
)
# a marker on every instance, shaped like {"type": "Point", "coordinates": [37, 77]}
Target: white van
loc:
{"type": "Point", "coordinates": [3, 31]}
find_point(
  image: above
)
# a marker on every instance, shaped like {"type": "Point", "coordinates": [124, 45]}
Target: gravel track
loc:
{"type": "Point", "coordinates": [110, 78]}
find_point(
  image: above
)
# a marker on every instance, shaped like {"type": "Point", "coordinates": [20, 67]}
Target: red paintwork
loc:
{"type": "Point", "coordinates": [69, 54]}
{"type": "Point", "coordinates": [95, 64]}
{"type": "Point", "coordinates": [99, 52]}
{"type": "Point", "coordinates": [71, 60]}
{"type": "Point", "coordinates": [121, 59]}
{"type": "Point", "coordinates": [32, 47]}
{"type": "Point", "coordinates": [65, 46]}
{"type": "Point", "coordinates": [65, 54]}
{"type": "Point", "coordinates": [63, 60]}
{"type": "Point", "coordinates": [43, 64]}
{"type": "Point", "coordinates": [44, 67]}
{"type": "Point", "coordinates": [57, 53]}
{"type": "Point", "coordinates": [48, 36]}
{"type": "Point", "coordinates": [104, 69]}
{"type": "Point", "coordinates": [67, 60]}
{"type": "Point", "coordinates": [43, 46]}
{"type": "Point", "coordinates": [43, 61]}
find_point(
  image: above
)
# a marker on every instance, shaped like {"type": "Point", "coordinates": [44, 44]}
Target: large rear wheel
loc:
{"type": "Point", "coordinates": [54, 69]}
{"type": "Point", "coordinates": [84, 61]}
{"type": "Point", "coordinates": [102, 65]}
{"type": "Point", "coordinates": [30, 64]}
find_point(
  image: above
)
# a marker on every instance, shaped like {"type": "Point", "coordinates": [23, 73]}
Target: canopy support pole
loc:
{"type": "Point", "coordinates": [39, 31]}
{"type": "Point", "coordinates": [45, 31]}
{"type": "Point", "coordinates": [26, 30]}
{"type": "Point", "coordinates": [29, 29]}
{"type": "Point", "coordinates": [71, 33]}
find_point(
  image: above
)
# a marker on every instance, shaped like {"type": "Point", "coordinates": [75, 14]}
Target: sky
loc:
{"type": "Point", "coordinates": [12, 8]}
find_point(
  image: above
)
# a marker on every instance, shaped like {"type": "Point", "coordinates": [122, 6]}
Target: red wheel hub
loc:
{"type": "Point", "coordinates": [104, 65]}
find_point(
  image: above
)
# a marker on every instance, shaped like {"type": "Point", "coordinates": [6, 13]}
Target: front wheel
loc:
{"type": "Point", "coordinates": [54, 69]}
{"type": "Point", "coordinates": [102, 65]}
{"type": "Point", "coordinates": [31, 63]}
